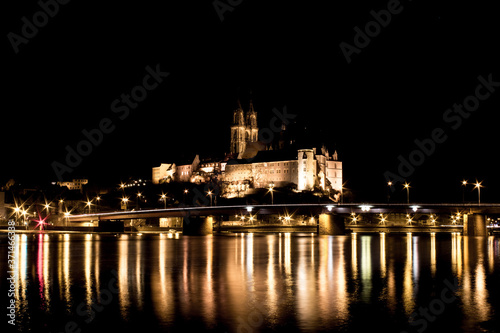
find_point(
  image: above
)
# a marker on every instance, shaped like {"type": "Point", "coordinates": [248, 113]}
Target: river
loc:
{"type": "Point", "coordinates": [70, 282]}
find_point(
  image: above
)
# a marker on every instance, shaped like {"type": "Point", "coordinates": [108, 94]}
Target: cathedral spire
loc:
{"type": "Point", "coordinates": [250, 107]}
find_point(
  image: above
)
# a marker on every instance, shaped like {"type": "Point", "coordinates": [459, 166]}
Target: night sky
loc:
{"type": "Point", "coordinates": [396, 88]}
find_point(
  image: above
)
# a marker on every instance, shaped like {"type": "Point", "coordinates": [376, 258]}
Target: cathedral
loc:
{"type": "Point", "coordinates": [243, 129]}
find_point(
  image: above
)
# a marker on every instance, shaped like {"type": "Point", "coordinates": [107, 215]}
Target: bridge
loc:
{"type": "Point", "coordinates": [331, 218]}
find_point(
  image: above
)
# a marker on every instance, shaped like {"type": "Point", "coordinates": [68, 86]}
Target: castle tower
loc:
{"type": "Point", "coordinates": [252, 129]}
{"type": "Point", "coordinates": [238, 131]}
{"type": "Point", "coordinates": [306, 168]}
{"type": "Point", "coordinates": [243, 129]}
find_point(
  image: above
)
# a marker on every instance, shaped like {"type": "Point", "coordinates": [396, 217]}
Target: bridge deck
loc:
{"type": "Point", "coordinates": [345, 208]}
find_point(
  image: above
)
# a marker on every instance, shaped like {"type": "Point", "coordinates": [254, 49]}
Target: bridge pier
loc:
{"type": "Point", "coordinates": [474, 225]}
{"type": "Point", "coordinates": [197, 225]}
{"type": "Point", "coordinates": [111, 226]}
{"type": "Point", "coordinates": [331, 224]}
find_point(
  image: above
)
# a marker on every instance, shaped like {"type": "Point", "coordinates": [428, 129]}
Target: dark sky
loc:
{"type": "Point", "coordinates": [395, 90]}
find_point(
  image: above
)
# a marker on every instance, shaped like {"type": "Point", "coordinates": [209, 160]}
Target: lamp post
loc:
{"type": "Point", "coordinates": [210, 194]}
{"type": "Point", "coordinates": [98, 198]}
{"type": "Point", "coordinates": [164, 198]}
{"type": "Point", "coordinates": [389, 183]}
{"type": "Point", "coordinates": [407, 187]}
{"type": "Point", "coordinates": [17, 210]}
{"type": "Point", "coordinates": [89, 203]}
{"type": "Point", "coordinates": [464, 184]}
{"type": "Point", "coordinates": [271, 189]}
{"type": "Point", "coordinates": [478, 186]}
{"type": "Point", "coordinates": [139, 195]}
{"type": "Point", "coordinates": [124, 202]}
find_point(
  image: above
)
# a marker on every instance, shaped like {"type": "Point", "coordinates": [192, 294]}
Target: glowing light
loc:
{"type": "Point", "coordinates": [329, 207]}
{"type": "Point", "coordinates": [365, 208]}
{"type": "Point", "coordinates": [414, 208]}
{"type": "Point", "coordinates": [249, 209]}
{"type": "Point", "coordinates": [41, 222]}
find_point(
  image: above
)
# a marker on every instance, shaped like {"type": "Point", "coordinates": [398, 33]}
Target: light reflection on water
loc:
{"type": "Point", "coordinates": [249, 282]}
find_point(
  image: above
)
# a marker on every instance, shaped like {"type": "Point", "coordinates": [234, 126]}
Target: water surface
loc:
{"type": "Point", "coordinates": [255, 283]}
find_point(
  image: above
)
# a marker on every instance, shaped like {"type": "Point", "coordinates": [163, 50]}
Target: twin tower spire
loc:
{"type": "Point", "coordinates": [244, 128]}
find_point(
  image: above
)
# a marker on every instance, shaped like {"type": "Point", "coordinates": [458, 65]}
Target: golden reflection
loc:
{"type": "Point", "coordinates": [249, 257]}
{"type": "Point", "coordinates": [21, 268]}
{"type": "Point", "coordinates": [391, 288]}
{"type": "Point", "coordinates": [288, 265]}
{"type": "Point", "coordinates": [123, 280]}
{"type": "Point", "coordinates": [88, 268]}
{"type": "Point", "coordinates": [207, 291]}
{"type": "Point", "coordinates": [272, 296]}
{"type": "Point", "coordinates": [473, 287]}
{"type": "Point", "coordinates": [139, 282]}
{"type": "Point", "coordinates": [308, 297]}
{"type": "Point", "coordinates": [63, 270]}
{"type": "Point", "coordinates": [491, 254]}
{"type": "Point", "coordinates": [433, 254]}
{"type": "Point", "coordinates": [161, 283]}
{"type": "Point", "coordinates": [408, 301]}
{"type": "Point", "coordinates": [354, 255]}
{"type": "Point", "coordinates": [383, 266]}
{"type": "Point", "coordinates": [96, 268]}
{"type": "Point", "coordinates": [456, 255]}
{"type": "Point", "coordinates": [340, 282]}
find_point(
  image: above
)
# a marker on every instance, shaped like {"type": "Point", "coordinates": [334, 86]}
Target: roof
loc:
{"type": "Point", "coordinates": [268, 156]}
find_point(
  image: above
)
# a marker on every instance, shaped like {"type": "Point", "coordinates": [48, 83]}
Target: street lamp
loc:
{"type": "Point", "coordinates": [464, 184]}
{"type": "Point", "coordinates": [271, 189]}
{"type": "Point", "coordinates": [164, 198]}
{"type": "Point", "coordinates": [17, 210]}
{"type": "Point", "coordinates": [210, 194]}
{"type": "Point", "coordinates": [139, 195]}
{"type": "Point", "coordinates": [124, 202]}
{"type": "Point", "coordinates": [24, 212]}
{"type": "Point", "coordinates": [407, 187]}
{"type": "Point", "coordinates": [389, 183]}
{"type": "Point", "coordinates": [98, 198]}
{"type": "Point", "coordinates": [89, 203]}
{"type": "Point", "coordinates": [478, 186]}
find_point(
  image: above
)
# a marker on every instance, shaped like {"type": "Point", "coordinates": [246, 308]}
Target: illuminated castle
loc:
{"type": "Point", "coordinates": [252, 164]}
